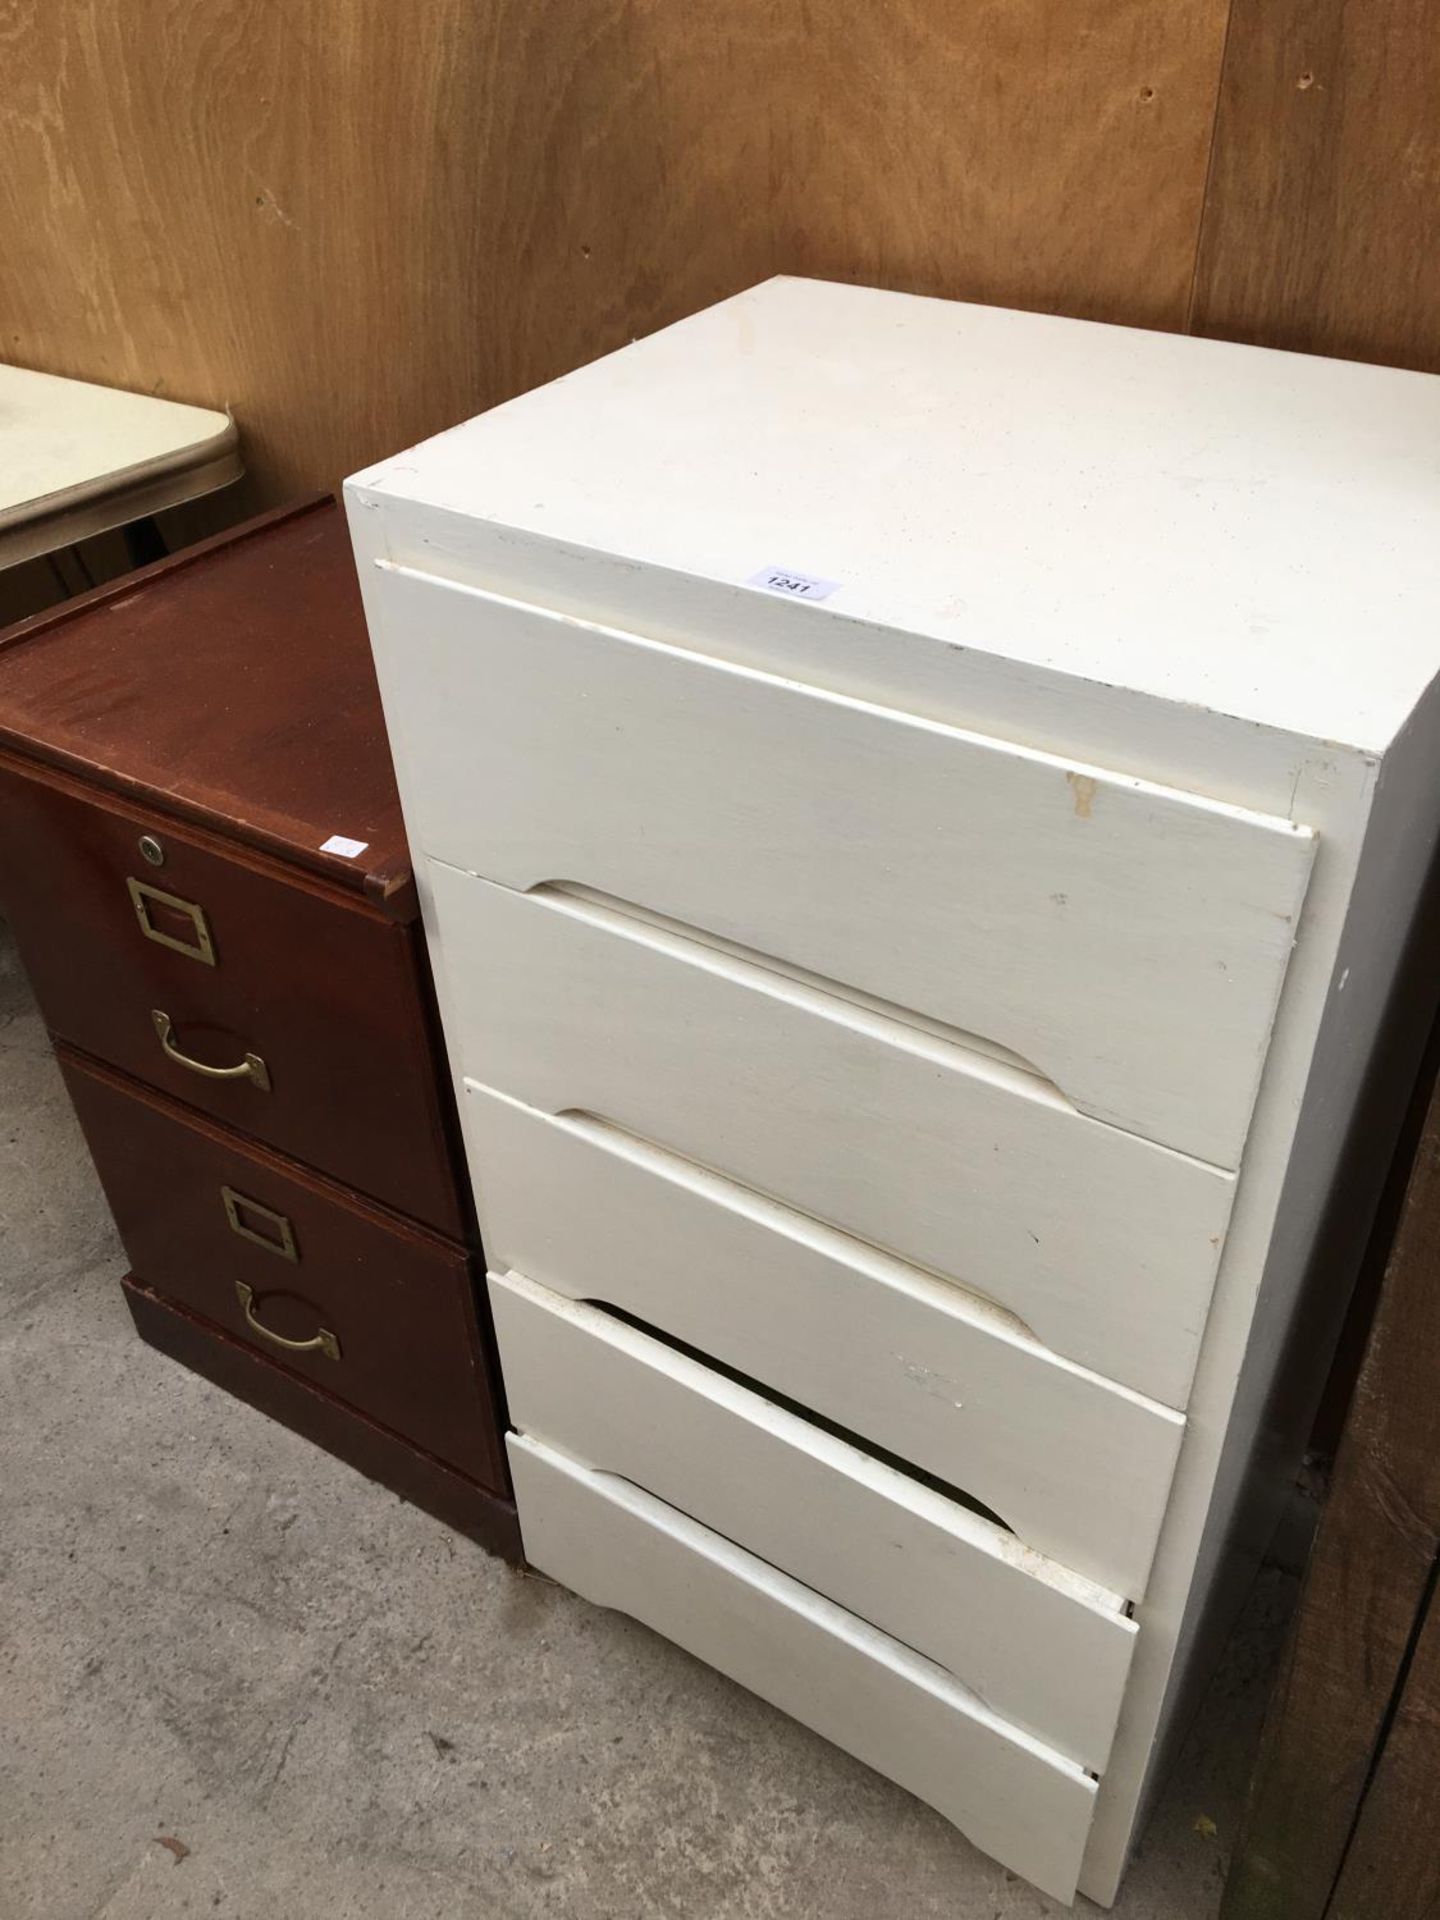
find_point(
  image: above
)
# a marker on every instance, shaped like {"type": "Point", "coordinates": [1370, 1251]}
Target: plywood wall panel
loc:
{"type": "Point", "coordinates": [1045, 154]}
{"type": "Point", "coordinates": [356, 222]}
{"type": "Point", "coordinates": [1322, 225]}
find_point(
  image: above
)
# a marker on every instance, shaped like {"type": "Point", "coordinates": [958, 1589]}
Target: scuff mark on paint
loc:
{"type": "Point", "coordinates": [928, 1380]}
{"type": "Point", "coordinates": [1082, 785]}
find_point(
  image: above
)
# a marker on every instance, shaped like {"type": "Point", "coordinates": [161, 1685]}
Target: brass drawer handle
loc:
{"type": "Point", "coordinates": [323, 1342]}
{"type": "Point", "coordinates": [252, 1067]}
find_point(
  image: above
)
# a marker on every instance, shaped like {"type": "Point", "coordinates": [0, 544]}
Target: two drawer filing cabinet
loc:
{"type": "Point", "coordinates": [202, 855]}
{"type": "Point", "coordinates": [917, 811]}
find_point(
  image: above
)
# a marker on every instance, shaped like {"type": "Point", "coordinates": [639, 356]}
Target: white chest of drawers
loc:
{"type": "Point", "coordinates": [921, 809]}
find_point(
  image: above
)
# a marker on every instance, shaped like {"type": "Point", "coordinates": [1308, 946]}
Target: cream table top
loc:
{"type": "Point", "coordinates": [76, 459]}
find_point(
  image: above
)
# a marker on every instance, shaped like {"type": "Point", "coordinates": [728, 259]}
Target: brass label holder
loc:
{"type": "Point", "coordinates": [273, 1231]}
{"type": "Point", "coordinates": [143, 896]}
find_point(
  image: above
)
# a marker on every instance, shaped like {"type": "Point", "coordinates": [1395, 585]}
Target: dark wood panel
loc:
{"type": "Point", "coordinates": [1322, 221]}
{"type": "Point", "coordinates": [322, 989]}
{"type": "Point", "coordinates": [356, 223]}
{"type": "Point", "coordinates": [1392, 1867]}
{"type": "Point", "coordinates": [398, 1304]}
{"type": "Point", "coordinates": [1368, 1578]}
{"type": "Point", "coordinates": [231, 684]}
{"type": "Point", "coordinates": [377, 1453]}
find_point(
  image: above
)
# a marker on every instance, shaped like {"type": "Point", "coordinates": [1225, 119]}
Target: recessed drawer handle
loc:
{"type": "Point", "coordinates": [322, 1342]}
{"type": "Point", "coordinates": [252, 1067]}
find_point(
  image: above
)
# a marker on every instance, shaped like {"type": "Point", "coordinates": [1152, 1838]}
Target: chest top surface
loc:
{"type": "Point", "coordinates": [232, 685]}
{"type": "Point", "coordinates": [1245, 531]}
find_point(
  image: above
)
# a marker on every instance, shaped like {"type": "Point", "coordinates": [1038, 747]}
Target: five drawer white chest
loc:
{"type": "Point", "coordinates": [918, 808]}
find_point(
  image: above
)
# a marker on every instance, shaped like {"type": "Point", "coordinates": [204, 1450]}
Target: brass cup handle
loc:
{"type": "Point", "coordinates": [323, 1342]}
{"type": "Point", "coordinates": [251, 1068]}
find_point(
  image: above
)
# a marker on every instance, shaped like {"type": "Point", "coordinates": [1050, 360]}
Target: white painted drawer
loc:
{"type": "Point", "coordinates": [1103, 1244]}
{"type": "Point", "coordinates": [1019, 1801]}
{"type": "Point", "coordinates": [1041, 1647]}
{"type": "Point", "coordinates": [1126, 940]}
{"type": "Point", "coordinates": [1078, 1467]}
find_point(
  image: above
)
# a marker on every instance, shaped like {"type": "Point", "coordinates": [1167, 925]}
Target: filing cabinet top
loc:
{"type": "Point", "coordinates": [232, 685]}
{"type": "Point", "coordinates": [1246, 531]}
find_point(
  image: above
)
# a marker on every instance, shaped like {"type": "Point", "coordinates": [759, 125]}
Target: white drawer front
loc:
{"type": "Point", "coordinates": [1041, 1648]}
{"type": "Point", "coordinates": [1127, 940]}
{"type": "Point", "coordinates": [1103, 1244]}
{"type": "Point", "coordinates": [1017, 1800]}
{"type": "Point", "coordinates": [1078, 1467]}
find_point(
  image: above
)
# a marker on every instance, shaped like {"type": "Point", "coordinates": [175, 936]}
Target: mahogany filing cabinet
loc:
{"type": "Point", "coordinates": [918, 809]}
{"type": "Point", "coordinates": [203, 861]}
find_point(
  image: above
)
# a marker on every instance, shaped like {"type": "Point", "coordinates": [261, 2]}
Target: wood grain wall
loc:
{"type": "Point", "coordinates": [355, 222]}
{"type": "Point", "coordinates": [1322, 223]}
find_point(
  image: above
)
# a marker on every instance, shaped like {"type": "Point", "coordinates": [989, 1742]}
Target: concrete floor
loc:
{"type": "Point", "coordinates": [237, 1679]}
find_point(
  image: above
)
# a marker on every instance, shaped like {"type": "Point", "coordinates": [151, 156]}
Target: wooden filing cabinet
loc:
{"type": "Point", "coordinates": [918, 810]}
{"type": "Point", "coordinates": [203, 860]}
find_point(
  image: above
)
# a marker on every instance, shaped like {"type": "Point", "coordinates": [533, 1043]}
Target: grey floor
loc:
{"type": "Point", "coordinates": [237, 1679]}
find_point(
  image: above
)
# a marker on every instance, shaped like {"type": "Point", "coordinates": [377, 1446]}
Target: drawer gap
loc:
{"type": "Point", "coordinates": [1043, 1645]}
{"type": "Point", "coordinates": [833, 1427]}
{"type": "Point", "coordinates": [1010, 1791]}
{"type": "Point", "coordinates": [977, 1700]}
